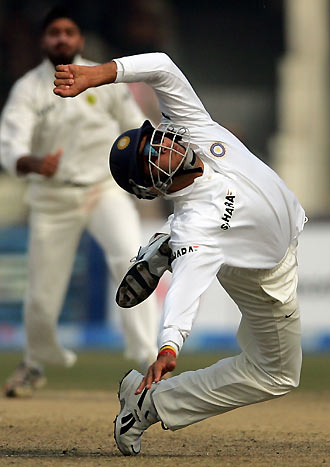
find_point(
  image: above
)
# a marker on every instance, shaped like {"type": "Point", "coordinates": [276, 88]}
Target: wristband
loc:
{"type": "Point", "coordinates": [167, 349]}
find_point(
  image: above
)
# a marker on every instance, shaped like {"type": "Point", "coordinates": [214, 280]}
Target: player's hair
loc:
{"type": "Point", "coordinates": [60, 11]}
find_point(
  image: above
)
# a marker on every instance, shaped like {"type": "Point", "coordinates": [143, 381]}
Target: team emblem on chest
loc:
{"type": "Point", "coordinates": [91, 99]}
{"type": "Point", "coordinates": [218, 149]}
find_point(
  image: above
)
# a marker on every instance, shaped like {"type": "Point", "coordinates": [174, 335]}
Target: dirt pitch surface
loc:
{"type": "Point", "coordinates": [75, 428]}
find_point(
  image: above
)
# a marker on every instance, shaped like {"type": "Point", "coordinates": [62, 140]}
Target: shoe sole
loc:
{"type": "Point", "coordinates": [139, 282]}
{"type": "Point", "coordinates": [140, 278]}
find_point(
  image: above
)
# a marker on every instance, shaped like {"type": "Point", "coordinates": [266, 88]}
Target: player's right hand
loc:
{"type": "Point", "coordinates": [164, 364]}
{"type": "Point", "coordinates": [49, 164]}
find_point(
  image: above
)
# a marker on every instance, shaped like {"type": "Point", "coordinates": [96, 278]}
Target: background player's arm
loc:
{"type": "Point", "coordinates": [46, 166]}
{"type": "Point", "coordinates": [124, 108]}
{"type": "Point", "coordinates": [18, 121]}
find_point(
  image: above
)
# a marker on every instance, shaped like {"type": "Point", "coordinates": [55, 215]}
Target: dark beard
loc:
{"type": "Point", "coordinates": [61, 59]}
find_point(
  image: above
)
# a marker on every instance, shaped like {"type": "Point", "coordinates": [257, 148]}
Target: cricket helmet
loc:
{"type": "Point", "coordinates": [127, 159]}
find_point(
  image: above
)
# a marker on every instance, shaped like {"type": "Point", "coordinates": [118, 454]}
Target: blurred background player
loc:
{"type": "Point", "coordinates": [62, 148]}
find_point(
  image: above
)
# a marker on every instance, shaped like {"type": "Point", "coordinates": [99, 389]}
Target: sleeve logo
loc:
{"type": "Point", "coordinates": [218, 149]}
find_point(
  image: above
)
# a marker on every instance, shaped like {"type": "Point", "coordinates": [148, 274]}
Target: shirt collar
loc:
{"type": "Point", "coordinates": [188, 189]}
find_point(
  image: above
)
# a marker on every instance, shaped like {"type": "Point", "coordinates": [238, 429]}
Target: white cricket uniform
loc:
{"type": "Point", "coordinates": [81, 195]}
{"type": "Point", "coordinates": [240, 223]}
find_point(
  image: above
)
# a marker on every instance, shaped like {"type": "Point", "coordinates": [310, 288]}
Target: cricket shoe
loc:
{"type": "Point", "coordinates": [24, 381]}
{"type": "Point", "coordinates": [137, 413]}
{"type": "Point", "coordinates": [143, 276]}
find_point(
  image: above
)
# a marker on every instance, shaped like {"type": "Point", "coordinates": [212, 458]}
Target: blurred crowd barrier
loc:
{"type": "Point", "coordinates": [89, 318]}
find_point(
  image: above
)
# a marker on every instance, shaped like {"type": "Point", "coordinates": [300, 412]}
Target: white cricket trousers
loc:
{"type": "Point", "coordinates": [58, 216]}
{"type": "Point", "coordinates": [269, 336]}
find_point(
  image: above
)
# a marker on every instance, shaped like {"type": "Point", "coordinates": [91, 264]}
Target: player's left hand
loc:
{"type": "Point", "coordinates": [164, 364]}
{"type": "Point", "coordinates": [71, 80]}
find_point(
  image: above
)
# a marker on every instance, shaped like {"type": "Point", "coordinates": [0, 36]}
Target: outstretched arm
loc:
{"type": "Point", "coordinates": [176, 97]}
{"type": "Point", "coordinates": [71, 80]}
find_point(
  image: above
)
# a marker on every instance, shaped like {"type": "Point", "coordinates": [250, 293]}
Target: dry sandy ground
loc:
{"type": "Point", "coordinates": [75, 428]}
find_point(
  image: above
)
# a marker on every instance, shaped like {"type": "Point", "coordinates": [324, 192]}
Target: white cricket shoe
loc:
{"type": "Point", "coordinates": [142, 278]}
{"type": "Point", "coordinates": [137, 413]}
{"type": "Point", "coordinates": [24, 381]}
{"type": "Point", "coordinates": [70, 358]}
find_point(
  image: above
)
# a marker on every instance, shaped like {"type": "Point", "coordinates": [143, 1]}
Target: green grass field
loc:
{"type": "Point", "coordinates": [103, 370]}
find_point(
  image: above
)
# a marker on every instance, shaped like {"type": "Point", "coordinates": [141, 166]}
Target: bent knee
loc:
{"type": "Point", "coordinates": [283, 384]}
{"type": "Point", "coordinates": [282, 380]}
{"type": "Point", "coordinates": [288, 384]}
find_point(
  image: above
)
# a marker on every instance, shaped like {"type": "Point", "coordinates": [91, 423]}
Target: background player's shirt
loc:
{"type": "Point", "coordinates": [36, 121]}
{"type": "Point", "coordinates": [239, 212]}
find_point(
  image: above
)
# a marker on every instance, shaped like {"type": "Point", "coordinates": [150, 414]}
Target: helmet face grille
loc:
{"type": "Point", "coordinates": [149, 172]}
{"type": "Point", "coordinates": [162, 178]}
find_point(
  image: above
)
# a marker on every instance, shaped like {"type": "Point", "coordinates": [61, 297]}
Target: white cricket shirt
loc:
{"type": "Point", "coordinates": [239, 212]}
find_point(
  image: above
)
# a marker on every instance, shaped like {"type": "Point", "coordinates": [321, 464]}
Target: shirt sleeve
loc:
{"type": "Point", "coordinates": [194, 268]}
{"type": "Point", "coordinates": [177, 99]}
{"type": "Point", "coordinates": [17, 126]}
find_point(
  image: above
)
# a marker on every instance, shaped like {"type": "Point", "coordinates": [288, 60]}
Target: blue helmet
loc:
{"type": "Point", "coordinates": [124, 163]}
{"type": "Point", "coordinates": [127, 165]}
